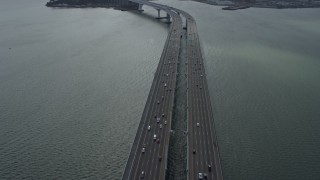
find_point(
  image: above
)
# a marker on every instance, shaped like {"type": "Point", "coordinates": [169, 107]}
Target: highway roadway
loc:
{"type": "Point", "coordinates": [202, 143]}
{"type": "Point", "coordinates": [152, 163]}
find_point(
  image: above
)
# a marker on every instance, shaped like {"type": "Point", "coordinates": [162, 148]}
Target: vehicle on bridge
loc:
{"type": "Point", "coordinates": [200, 175]}
{"type": "Point", "coordinates": [142, 175]}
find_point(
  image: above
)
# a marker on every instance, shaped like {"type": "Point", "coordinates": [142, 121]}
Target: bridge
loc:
{"type": "Point", "coordinates": [149, 152]}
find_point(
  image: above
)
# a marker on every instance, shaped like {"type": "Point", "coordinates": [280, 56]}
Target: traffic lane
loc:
{"type": "Point", "coordinates": [162, 134]}
{"type": "Point", "coordinates": [168, 116]}
{"type": "Point", "coordinates": [153, 144]}
{"type": "Point", "coordinates": [190, 126]}
{"type": "Point", "coordinates": [154, 157]}
{"type": "Point", "coordinates": [163, 105]}
{"type": "Point", "coordinates": [146, 134]}
{"type": "Point", "coordinates": [140, 147]}
{"type": "Point", "coordinates": [144, 129]}
{"type": "Point", "coordinates": [154, 100]}
{"type": "Point", "coordinates": [202, 130]}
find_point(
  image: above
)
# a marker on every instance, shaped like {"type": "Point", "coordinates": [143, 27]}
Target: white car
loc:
{"type": "Point", "coordinates": [198, 124]}
{"type": "Point", "coordinates": [149, 127]}
{"type": "Point", "coordinates": [158, 119]}
{"type": "Point", "coordinates": [154, 137]}
{"type": "Point", "coordinates": [165, 122]}
{"type": "Point", "coordinates": [143, 150]}
{"type": "Point", "coordinates": [200, 176]}
{"type": "Point", "coordinates": [160, 126]}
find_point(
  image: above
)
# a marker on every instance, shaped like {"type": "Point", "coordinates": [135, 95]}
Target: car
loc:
{"type": "Point", "coordinates": [158, 102]}
{"type": "Point", "coordinates": [205, 175]}
{"type": "Point", "coordinates": [194, 151]}
{"type": "Point", "coordinates": [158, 141]}
{"type": "Point", "coordinates": [142, 175]}
{"type": "Point", "coordinates": [198, 124]}
{"type": "Point", "coordinates": [158, 119]}
{"type": "Point", "coordinates": [160, 126]}
{"type": "Point", "coordinates": [154, 137]}
{"type": "Point", "coordinates": [143, 150]}
{"type": "Point", "coordinates": [209, 167]}
{"type": "Point", "coordinates": [163, 114]}
{"type": "Point", "coordinates": [165, 84]}
{"type": "Point", "coordinates": [165, 122]}
{"type": "Point", "coordinates": [149, 127]}
{"type": "Point", "coordinates": [200, 175]}
{"type": "Point", "coordinates": [160, 158]}
{"type": "Point", "coordinates": [162, 97]}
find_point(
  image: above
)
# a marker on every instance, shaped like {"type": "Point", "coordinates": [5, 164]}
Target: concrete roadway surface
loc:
{"type": "Point", "coordinates": [202, 143]}
{"type": "Point", "coordinates": [151, 164]}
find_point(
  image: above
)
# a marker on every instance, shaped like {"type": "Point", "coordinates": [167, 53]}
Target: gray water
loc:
{"type": "Point", "coordinates": [73, 83]}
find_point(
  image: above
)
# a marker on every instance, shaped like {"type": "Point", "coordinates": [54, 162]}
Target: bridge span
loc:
{"type": "Point", "coordinates": [148, 155]}
{"type": "Point", "coordinates": [203, 152]}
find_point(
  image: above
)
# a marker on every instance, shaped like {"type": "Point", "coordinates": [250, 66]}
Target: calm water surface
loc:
{"type": "Point", "coordinates": [74, 82]}
{"type": "Point", "coordinates": [73, 87]}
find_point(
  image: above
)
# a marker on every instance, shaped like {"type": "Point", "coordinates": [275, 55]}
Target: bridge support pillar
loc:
{"type": "Point", "coordinates": [140, 7]}
{"type": "Point", "coordinates": [168, 18]}
{"type": "Point", "coordinates": [158, 13]}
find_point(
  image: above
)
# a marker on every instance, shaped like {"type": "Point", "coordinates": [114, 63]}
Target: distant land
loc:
{"type": "Point", "coordinates": [278, 4]}
{"type": "Point", "coordinates": [231, 4]}
{"type": "Point", "coordinates": [117, 4]}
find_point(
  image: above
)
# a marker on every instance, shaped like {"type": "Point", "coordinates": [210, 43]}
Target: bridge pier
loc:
{"type": "Point", "coordinates": [158, 13]}
{"type": "Point", "coordinates": [168, 18]}
{"type": "Point", "coordinates": [140, 7]}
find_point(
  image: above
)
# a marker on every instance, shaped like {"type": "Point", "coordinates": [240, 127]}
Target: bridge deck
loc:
{"type": "Point", "coordinates": [202, 138]}
{"type": "Point", "coordinates": [160, 101]}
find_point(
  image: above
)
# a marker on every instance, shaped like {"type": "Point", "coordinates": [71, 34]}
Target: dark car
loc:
{"type": "Point", "coordinates": [205, 175]}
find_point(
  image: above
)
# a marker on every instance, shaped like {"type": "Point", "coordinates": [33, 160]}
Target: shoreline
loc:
{"type": "Point", "coordinates": [230, 5]}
